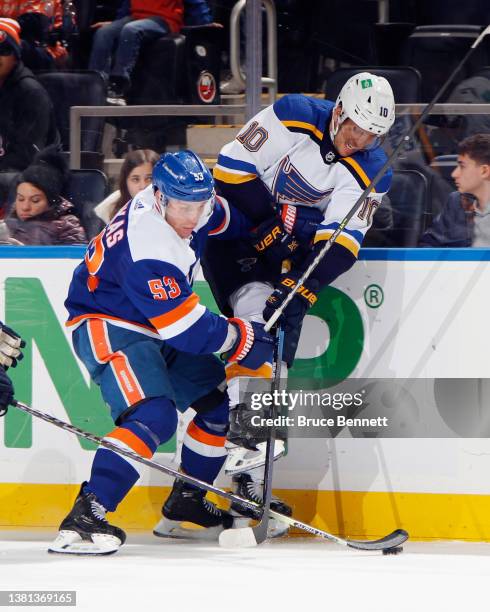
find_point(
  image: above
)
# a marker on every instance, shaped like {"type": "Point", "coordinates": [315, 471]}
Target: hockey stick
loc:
{"type": "Point", "coordinates": [260, 530]}
{"type": "Point", "coordinates": [389, 542]}
{"type": "Point", "coordinates": [379, 175]}
{"type": "Point", "coordinates": [251, 536]}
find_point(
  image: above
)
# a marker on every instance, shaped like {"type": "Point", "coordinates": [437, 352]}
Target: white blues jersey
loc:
{"type": "Point", "coordinates": [284, 155]}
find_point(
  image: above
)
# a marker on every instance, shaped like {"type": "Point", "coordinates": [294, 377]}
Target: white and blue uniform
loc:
{"type": "Point", "coordinates": [284, 156]}
{"type": "Point", "coordinates": [283, 162]}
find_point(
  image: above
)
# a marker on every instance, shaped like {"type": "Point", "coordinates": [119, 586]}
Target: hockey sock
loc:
{"type": "Point", "coordinates": [152, 423]}
{"type": "Point", "coordinates": [203, 450]}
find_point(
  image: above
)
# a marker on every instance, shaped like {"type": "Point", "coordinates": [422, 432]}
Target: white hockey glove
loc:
{"type": "Point", "coordinates": [10, 347]}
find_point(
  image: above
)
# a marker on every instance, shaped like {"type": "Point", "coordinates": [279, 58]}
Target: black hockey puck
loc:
{"type": "Point", "coordinates": [393, 551]}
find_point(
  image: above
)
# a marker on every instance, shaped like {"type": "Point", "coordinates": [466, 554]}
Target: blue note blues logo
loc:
{"type": "Point", "coordinates": [290, 186]}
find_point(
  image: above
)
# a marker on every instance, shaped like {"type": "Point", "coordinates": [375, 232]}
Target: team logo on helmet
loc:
{"type": "Point", "coordinates": [206, 87]}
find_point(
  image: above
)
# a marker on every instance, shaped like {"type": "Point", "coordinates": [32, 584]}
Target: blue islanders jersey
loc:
{"type": "Point", "coordinates": [284, 155]}
{"type": "Point", "coordinates": [138, 274]}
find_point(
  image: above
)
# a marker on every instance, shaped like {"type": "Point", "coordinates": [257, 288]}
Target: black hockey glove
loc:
{"type": "Point", "coordinates": [271, 240]}
{"type": "Point", "coordinates": [6, 392]}
{"type": "Point", "coordinates": [303, 299]}
{"type": "Point", "coordinates": [10, 347]}
{"type": "Point", "coordinates": [292, 317]}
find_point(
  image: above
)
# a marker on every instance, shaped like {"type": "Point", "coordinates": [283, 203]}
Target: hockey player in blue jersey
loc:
{"type": "Point", "coordinates": [295, 170]}
{"type": "Point", "coordinates": [148, 343]}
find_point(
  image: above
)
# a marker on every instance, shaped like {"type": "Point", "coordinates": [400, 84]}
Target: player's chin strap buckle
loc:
{"type": "Point", "coordinates": [240, 459]}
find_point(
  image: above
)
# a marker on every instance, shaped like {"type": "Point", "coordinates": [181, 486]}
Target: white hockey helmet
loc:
{"type": "Point", "coordinates": [368, 100]}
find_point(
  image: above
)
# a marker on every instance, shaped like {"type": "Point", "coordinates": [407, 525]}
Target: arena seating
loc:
{"type": "Point", "coordinates": [405, 81]}
{"type": "Point", "coordinates": [69, 88]}
{"type": "Point", "coordinates": [436, 50]}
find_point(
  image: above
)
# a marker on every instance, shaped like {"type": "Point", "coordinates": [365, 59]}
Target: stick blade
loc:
{"type": "Point", "coordinates": [242, 537]}
{"type": "Point", "coordinates": [392, 540]}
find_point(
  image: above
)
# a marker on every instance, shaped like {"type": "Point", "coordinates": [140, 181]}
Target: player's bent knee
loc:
{"type": "Point", "coordinates": [154, 421]}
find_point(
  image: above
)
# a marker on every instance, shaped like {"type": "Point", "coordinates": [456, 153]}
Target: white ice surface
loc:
{"type": "Point", "coordinates": [292, 574]}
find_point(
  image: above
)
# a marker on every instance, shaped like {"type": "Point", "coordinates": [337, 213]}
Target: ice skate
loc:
{"type": "Point", "coordinates": [246, 444]}
{"type": "Point", "coordinates": [85, 531]}
{"type": "Point", "coordinates": [187, 504]}
{"type": "Point", "coordinates": [244, 486]}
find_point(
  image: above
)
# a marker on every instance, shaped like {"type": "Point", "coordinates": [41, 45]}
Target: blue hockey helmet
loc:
{"type": "Point", "coordinates": [183, 176]}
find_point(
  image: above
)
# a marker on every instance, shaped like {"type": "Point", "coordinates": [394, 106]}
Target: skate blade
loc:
{"type": "Point", "coordinates": [240, 459]}
{"type": "Point", "coordinates": [167, 528]}
{"type": "Point", "coordinates": [275, 529]}
{"type": "Point", "coordinates": [71, 543]}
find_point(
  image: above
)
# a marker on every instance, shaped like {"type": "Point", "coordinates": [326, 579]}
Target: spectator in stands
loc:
{"type": "Point", "coordinates": [27, 121]}
{"type": "Point", "coordinates": [465, 219]}
{"type": "Point", "coordinates": [42, 25]}
{"type": "Point", "coordinates": [5, 237]}
{"type": "Point", "coordinates": [135, 175]}
{"type": "Point", "coordinates": [137, 21]}
{"type": "Point", "coordinates": [41, 216]}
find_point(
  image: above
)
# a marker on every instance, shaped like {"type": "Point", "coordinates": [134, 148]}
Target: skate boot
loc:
{"type": "Point", "coordinates": [85, 531]}
{"type": "Point", "coordinates": [244, 486]}
{"type": "Point", "coordinates": [189, 504]}
{"type": "Point", "coordinates": [246, 444]}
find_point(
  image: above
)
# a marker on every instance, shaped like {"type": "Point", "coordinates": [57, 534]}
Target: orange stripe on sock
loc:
{"type": "Point", "coordinates": [132, 440]}
{"type": "Point", "coordinates": [202, 436]}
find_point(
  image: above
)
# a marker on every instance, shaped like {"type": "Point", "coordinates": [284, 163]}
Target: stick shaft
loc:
{"type": "Point", "coordinates": [171, 472]}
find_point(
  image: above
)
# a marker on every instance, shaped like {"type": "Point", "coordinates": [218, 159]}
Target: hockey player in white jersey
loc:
{"type": "Point", "coordinates": [295, 170]}
{"type": "Point", "coordinates": [148, 343]}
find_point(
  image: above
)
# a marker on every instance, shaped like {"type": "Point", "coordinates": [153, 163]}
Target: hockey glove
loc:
{"type": "Point", "coordinates": [271, 240]}
{"type": "Point", "coordinates": [10, 345]}
{"type": "Point", "coordinates": [302, 222]}
{"type": "Point", "coordinates": [253, 346]}
{"type": "Point", "coordinates": [304, 298]}
{"type": "Point", "coordinates": [6, 392]}
{"type": "Point", "coordinates": [291, 319]}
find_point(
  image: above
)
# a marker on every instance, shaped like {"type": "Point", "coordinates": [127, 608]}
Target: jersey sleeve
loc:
{"type": "Point", "coordinates": [344, 252]}
{"type": "Point", "coordinates": [347, 191]}
{"type": "Point", "coordinates": [227, 222]}
{"type": "Point", "coordinates": [242, 162]}
{"type": "Point", "coordinates": [160, 291]}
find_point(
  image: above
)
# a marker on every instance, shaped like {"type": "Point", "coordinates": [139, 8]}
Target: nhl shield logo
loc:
{"type": "Point", "coordinates": [329, 157]}
{"type": "Point", "coordinates": [206, 87]}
